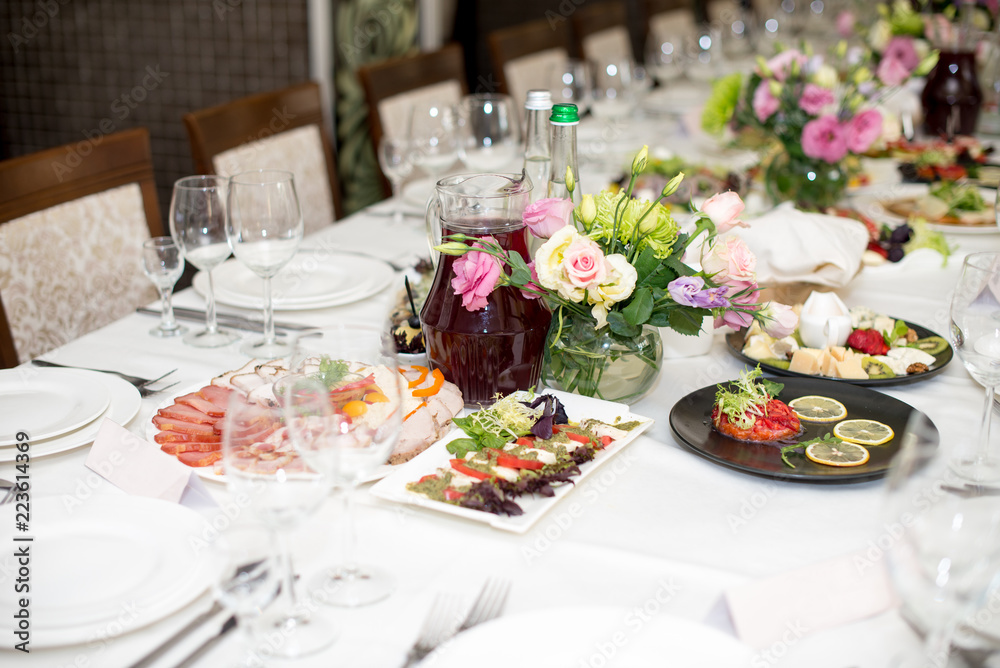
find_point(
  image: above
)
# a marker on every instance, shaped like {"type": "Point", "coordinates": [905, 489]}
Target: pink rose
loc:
{"type": "Point", "coordinates": [729, 262]}
{"type": "Point", "coordinates": [902, 49]}
{"type": "Point", "coordinates": [583, 262]}
{"type": "Point", "coordinates": [476, 275]}
{"type": "Point", "coordinates": [892, 72]}
{"type": "Point", "coordinates": [863, 130]}
{"type": "Point", "coordinates": [814, 98]}
{"type": "Point", "coordinates": [533, 284]}
{"type": "Point", "coordinates": [739, 319]}
{"type": "Point", "coordinates": [845, 24]}
{"type": "Point", "coordinates": [825, 139]}
{"type": "Point", "coordinates": [781, 64]}
{"type": "Point", "coordinates": [764, 104]}
{"type": "Point", "coordinates": [547, 216]}
{"type": "Point", "coordinates": [724, 210]}
{"type": "Point", "coordinates": [779, 320]}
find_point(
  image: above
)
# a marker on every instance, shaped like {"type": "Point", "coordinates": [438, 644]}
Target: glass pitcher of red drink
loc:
{"type": "Point", "coordinates": [496, 349]}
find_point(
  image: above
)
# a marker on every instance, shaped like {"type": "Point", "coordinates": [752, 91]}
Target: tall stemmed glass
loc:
{"type": "Point", "coordinates": [975, 334]}
{"type": "Point", "coordinates": [945, 535]}
{"type": "Point", "coordinates": [265, 229]}
{"type": "Point", "coordinates": [489, 137]}
{"type": "Point", "coordinates": [198, 226]}
{"type": "Point", "coordinates": [364, 396]}
{"type": "Point", "coordinates": [282, 492]}
{"type": "Point", "coordinates": [433, 137]}
{"type": "Point", "coordinates": [163, 264]}
{"type": "Point", "coordinates": [397, 163]}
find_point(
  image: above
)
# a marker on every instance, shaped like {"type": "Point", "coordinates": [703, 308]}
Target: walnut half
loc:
{"type": "Point", "coordinates": [917, 367]}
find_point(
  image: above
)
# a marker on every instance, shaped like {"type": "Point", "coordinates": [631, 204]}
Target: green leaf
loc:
{"type": "Point", "coordinates": [659, 319]}
{"type": "Point", "coordinates": [646, 264]}
{"type": "Point", "coordinates": [640, 308]}
{"type": "Point", "coordinates": [462, 446]}
{"type": "Point", "coordinates": [620, 326]}
{"type": "Point", "coordinates": [686, 320]}
{"type": "Point", "coordinates": [675, 263]}
{"type": "Point", "coordinates": [784, 453]}
{"type": "Point", "coordinates": [519, 272]}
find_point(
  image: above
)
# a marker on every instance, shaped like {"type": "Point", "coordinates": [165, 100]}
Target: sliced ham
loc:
{"type": "Point", "coordinates": [175, 437]}
{"type": "Point", "coordinates": [187, 414]}
{"type": "Point", "coordinates": [225, 380]}
{"type": "Point", "coordinates": [217, 395]}
{"type": "Point", "coordinates": [263, 395]}
{"type": "Point", "coordinates": [247, 382]}
{"type": "Point", "coordinates": [196, 446]}
{"type": "Point", "coordinates": [199, 459]}
{"type": "Point", "coordinates": [199, 403]}
{"type": "Point", "coordinates": [173, 424]}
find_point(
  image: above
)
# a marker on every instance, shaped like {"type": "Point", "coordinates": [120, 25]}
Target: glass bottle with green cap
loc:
{"type": "Point", "coordinates": [564, 176]}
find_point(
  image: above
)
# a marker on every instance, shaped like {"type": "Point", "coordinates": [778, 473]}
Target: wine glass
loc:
{"type": "Point", "coordinates": [163, 264]}
{"type": "Point", "coordinates": [975, 335]}
{"type": "Point", "coordinates": [433, 137]}
{"type": "Point", "coordinates": [489, 139]}
{"type": "Point", "coordinates": [363, 405]}
{"type": "Point", "coordinates": [572, 82]}
{"type": "Point", "coordinates": [945, 535]}
{"type": "Point", "coordinates": [198, 227]}
{"type": "Point", "coordinates": [248, 581]}
{"type": "Point", "coordinates": [396, 161]}
{"type": "Point", "coordinates": [265, 229]}
{"type": "Point", "coordinates": [665, 56]}
{"type": "Point", "coordinates": [282, 491]}
{"type": "Point", "coordinates": [615, 91]}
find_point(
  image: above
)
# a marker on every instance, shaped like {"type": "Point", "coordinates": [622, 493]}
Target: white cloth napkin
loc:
{"type": "Point", "coordinates": [794, 246]}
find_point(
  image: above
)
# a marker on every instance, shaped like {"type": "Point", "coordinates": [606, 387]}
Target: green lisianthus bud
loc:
{"type": "Point", "coordinates": [672, 185]}
{"type": "Point", "coordinates": [862, 74]}
{"type": "Point", "coordinates": [586, 212]}
{"type": "Point", "coordinates": [639, 162]}
{"type": "Point", "coordinates": [452, 248]}
{"type": "Point", "coordinates": [649, 223]}
{"type": "Point", "coordinates": [762, 67]}
{"type": "Point", "coordinates": [775, 87]}
{"type": "Point", "coordinates": [926, 64]}
{"type": "Point", "coordinates": [841, 50]}
{"type": "Point", "coordinates": [570, 179]}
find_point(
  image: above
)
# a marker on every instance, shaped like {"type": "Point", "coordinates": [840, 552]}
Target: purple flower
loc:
{"type": "Point", "coordinates": [689, 291]}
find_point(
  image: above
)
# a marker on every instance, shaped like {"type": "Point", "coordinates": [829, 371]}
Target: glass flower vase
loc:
{"type": "Point", "coordinates": [597, 363]}
{"type": "Point", "coordinates": [812, 184]}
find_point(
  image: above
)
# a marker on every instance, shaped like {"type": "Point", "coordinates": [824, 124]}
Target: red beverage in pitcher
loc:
{"type": "Point", "coordinates": [497, 349]}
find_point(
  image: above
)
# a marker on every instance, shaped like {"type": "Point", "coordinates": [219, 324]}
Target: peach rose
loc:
{"type": "Point", "coordinates": [730, 263]}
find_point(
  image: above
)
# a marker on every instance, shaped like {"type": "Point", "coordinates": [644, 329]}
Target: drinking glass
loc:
{"type": "Point", "coordinates": [944, 531]}
{"type": "Point", "coordinates": [572, 82]}
{"type": "Point", "coordinates": [397, 163]}
{"type": "Point", "coordinates": [362, 404]}
{"type": "Point", "coordinates": [665, 56]}
{"type": "Point", "coordinates": [975, 335]}
{"type": "Point", "coordinates": [489, 138]}
{"type": "Point", "coordinates": [163, 264]}
{"type": "Point", "coordinates": [615, 91]}
{"type": "Point", "coordinates": [248, 582]}
{"type": "Point", "coordinates": [265, 229]}
{"type": "Point", "coordinates": [433, 137]}
{"type": "Point", "coordinates": [198, 227]}
{"type": "Point", "coordinates": [282, 491]}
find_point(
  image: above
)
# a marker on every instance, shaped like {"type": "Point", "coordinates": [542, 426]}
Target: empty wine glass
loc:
{"type": "Point", "coordinates": [975, 334]}
{"type": "Point", "coordinates": [282, 491]}
{"type": "Point", "coordinates": [163, 264]}
{"type": "Point", "coordinates": [397, 163]}
{"type": "Point", "coordinates": [265, 229]}
{"type": "Point", "coordinates": [361, 399]}
{"type": "Point", "coordinates": [248, 582]}
{"type": "Point", "coordinates": [944, 532]}
{"type": "Point", "coordinates": [615, 91]}
{"type": "Point", "coordinates": [433, 137]}
{"type": "Point", "coordinates": [198, 226]}
{"type": "Point", "coordinates": [572, 82]}
{"type": "Point", "coordinates": [665, 56]}
{"type": "Point", "coordinates": [489, 138]}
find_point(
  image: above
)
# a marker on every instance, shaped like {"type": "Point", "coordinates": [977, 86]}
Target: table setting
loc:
{"type": "Point", "coordinates": [274, 483]}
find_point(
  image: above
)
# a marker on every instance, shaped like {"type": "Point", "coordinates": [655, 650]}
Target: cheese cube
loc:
{"type": "Point", "coordinates": [805, 360]}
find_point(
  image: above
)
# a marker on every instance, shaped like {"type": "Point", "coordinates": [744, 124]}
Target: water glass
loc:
{"type": "Point", "coordinates": [163, 264]}
{"type": "Point", "coordinates": [396, 160]}
{"type": "Point", "coordinates": [265, 228]}
{"type": "Point", "coordinates": [572, 82]}
{"type": "Point", "coordinates": [198, 226]}
{"type": "Point", "coordinates": [489, 138]}
{"type": "Point", "coordinates": [433, 137]}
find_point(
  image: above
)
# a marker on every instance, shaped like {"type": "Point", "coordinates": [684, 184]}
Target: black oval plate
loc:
{"type": "Point", "coordinates": [691, 422]}
{"type": "Point", "coordinates": [735, 341]}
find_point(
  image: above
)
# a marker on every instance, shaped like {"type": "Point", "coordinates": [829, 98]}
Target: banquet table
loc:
{"type": "Point", "coordinates": [658, 531]}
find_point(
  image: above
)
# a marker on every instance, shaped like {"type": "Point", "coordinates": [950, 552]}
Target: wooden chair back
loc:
{"type": "Point", "coordinates": [72, 219]}
{"type": "Point", "coordinates": [243, 131]}
{"type": "Point", "coordinates": [601, 32]}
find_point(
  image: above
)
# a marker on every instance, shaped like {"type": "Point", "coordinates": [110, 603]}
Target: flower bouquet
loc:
{"type": "Point", "coordinates": [817, 117]}
{"type": "Point", "coordinates": [612, 270]}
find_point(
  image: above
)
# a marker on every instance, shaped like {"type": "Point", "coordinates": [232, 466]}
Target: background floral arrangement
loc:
{"type": "Point", "coordinates": [903, 24]}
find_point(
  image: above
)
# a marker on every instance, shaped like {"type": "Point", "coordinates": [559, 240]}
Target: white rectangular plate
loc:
{"type": "Point", "coordinates": [393, 486]}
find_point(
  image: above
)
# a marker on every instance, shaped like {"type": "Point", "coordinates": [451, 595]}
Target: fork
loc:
{"type": "Point", "coordinates": [145, 391]}
{"type": "Point", "coordinates": [489, 605]}
{"type": "Point", "coordinates": [8, 490]}
{"type": "Point", "coordinates": [438, 626]}
{"type": "Point", "coordinates": [134, 380]}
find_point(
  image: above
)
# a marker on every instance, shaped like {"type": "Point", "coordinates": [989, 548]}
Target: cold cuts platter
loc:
{"type": "Point", "coordinates": [190, 426]}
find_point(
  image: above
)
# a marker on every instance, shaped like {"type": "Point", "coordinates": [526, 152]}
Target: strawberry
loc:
{"type": "Point", "coordinates": [867, 341]}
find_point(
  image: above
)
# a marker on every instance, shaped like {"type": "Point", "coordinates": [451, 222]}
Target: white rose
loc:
{"type": "Point", "coordinates": [826, 77]}
{"type": "Point", "coordinates": [880, 35]}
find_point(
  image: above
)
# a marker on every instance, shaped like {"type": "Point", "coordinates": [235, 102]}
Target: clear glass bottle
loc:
{"type": "Point", "coordinates": [563, 124]}
{"type": "Point", "coordinates": [537, 153]}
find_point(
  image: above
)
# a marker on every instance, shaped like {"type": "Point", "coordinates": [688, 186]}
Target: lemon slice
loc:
{"type": "Point", "coordinates": [815, 408]}
{"type": "Point", "coordinates": [837, 454]}
{"type": "Point", "coordinates": [863, 432]}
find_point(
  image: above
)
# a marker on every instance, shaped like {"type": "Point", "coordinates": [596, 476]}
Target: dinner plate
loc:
{"type": "Point", "coordinates": [393, 486]}
{"type": "Point", "coordinates": [735, 340]}
{"type": "Point", "coordinates": [691, 422]}
{"type": "Point", "coordinates": [569, 637]}
{"type": "Point", "coordinates": [106, 562]}
{"type": "Point", "coordinates": [307, 282]}
{"type": "Point", "coordinates": [47, 402]}
{"type": "Point", "coordinates": [123, 406]}
{"type": "Point", "coordinates": [875, 203]}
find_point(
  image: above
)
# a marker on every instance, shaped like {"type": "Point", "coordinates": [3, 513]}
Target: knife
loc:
{"type": "Point", "coordinates": [226, 319]}
{"type": "Point", "coordinates": [208, 644]}
{"type": "Point", "coordinates": [167, 644]}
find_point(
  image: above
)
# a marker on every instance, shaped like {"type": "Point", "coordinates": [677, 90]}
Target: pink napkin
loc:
{"type": "Point", "coordinates": [139, 467]}
{"type": "Point", "coordinates": [789, 606]}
